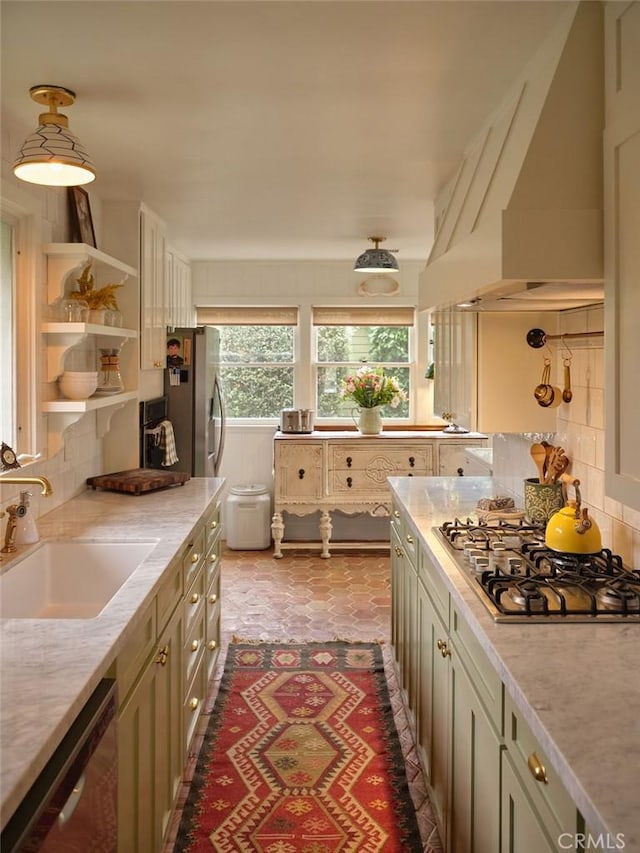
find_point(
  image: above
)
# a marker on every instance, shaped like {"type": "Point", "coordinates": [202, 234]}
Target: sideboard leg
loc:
{"type": "Point", "coordinates": [277, 533]}
{"type": "Point", "coordinates": [325, 533]}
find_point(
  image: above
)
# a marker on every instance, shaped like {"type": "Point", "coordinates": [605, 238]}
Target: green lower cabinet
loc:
{"type": "Point", "coordinates": [150, 757]}
{"type": "Point", "coordinates": [432, 712]}
{"type": "Point", "coordinates": [474, 813]}
{"type": "Point", "coordinates": [523, 831]}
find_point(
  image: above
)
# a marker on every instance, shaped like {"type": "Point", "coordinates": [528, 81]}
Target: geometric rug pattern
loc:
{"type": "Point", "coordinates": [301, 755]}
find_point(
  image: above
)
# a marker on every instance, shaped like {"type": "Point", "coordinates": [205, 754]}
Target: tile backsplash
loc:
{"type": "Point", "coordinates": [580, 431]}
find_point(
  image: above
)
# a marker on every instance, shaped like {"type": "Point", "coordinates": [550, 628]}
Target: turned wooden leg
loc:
{"type": "Point", "coordinates": [325, 533]}
{"type": "Point", "coordinates": [277, 533]}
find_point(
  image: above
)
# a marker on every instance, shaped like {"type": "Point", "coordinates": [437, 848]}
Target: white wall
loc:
{"type": "Point", "coordinates": [580, 431]}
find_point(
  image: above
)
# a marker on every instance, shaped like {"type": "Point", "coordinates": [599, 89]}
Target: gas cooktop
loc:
{"type": "Point", "coordinates": [519, 579]}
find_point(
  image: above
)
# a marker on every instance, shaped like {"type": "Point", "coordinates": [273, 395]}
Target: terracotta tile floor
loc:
{"type": "Point", "coordinates": [303, 597]}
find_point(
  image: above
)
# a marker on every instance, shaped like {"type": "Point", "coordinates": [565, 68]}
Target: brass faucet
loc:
{"type": "Point", "coordinates": [14, 511]}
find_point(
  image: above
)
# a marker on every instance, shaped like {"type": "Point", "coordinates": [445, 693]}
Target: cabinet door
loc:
{"type": "Point", "coordinates": [454, 359]}
{"type": "Point", "coordinates": [153, 319]}
{"type": "Point", "coordinates": [522, 828]}
{"type": "Point", "coordinates": [474, 818]}
{"type": "Point", "coordinates": [150, 756]}
{"type": "Point", "coordinates": [432, 707]}
{"type": "Point", "coordinates": [298, 470]}
{"type": "Point", "coordinates": [622, 259]}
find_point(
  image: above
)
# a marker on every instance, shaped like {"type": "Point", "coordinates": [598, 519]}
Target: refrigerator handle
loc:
{"type": "Point", "coordinates": [217, 392]}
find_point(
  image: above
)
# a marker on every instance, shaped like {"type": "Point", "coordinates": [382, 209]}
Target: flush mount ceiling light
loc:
{"type": "Point", "coordinates": [52, 155]}
{"type": "Point", "coordinates": [376, 259]}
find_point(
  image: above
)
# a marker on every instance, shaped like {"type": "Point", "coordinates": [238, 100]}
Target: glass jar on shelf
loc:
{"type": "Point", "coordinates": [109, 377]}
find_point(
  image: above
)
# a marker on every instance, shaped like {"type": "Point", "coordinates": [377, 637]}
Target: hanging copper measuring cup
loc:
{"type": "Point", "coordinates": [567, 393]}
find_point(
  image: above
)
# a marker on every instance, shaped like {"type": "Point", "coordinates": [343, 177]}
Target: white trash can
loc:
{"type": "Point", "coordinates": [248, 518]}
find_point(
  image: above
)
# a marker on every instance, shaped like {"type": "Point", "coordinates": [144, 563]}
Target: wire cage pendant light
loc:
{"type": "Point", "coordinates": [52, 155]}
{"type": "Point", "coordinates": [376, 259]}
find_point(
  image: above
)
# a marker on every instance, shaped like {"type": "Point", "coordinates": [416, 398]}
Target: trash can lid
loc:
{"type": "Point", "coordinates": [249, 489]}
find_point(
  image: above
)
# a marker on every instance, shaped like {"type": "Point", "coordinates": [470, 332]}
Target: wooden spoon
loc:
{"type": "Point", "coordinates": [539, 455]}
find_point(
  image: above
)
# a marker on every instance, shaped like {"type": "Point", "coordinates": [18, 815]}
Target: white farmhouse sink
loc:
{"type": "Point", "coordinates": [68, 580]}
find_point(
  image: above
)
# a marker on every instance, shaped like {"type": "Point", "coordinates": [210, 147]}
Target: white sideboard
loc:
{"type": "Point", "coordinates": [347, 471]}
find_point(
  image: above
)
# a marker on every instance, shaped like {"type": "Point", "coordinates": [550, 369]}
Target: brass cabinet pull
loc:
{"type": "Point", "coordinates": [213, 598]}
{"type": "Point", "coordinates": [537, 769]}
{"type": "Point", "coordinates": [214, 524]}
{"type": "Point", "coordinates": [195, 644]}
{"type": "Point", "coordinates": [409, 539]}
{"type": "Point", "coordinates": [193, 703]}
{"type": "Point", "coordinates": [162, 656]}
{"type": "Point", "coordinates": [398, 551]}
{"type": "Point", "coordinates": [195, 558]}
{"type": "Point", "coordinates": [445, 651]}
{"type": "Point", "coordinates": [213, 558]}
{"type": "Point", "coordinates": [212, 645]}
{"type": "Point", "coordinates": [195, 598]}
{"type": "Point", "coordinates": [396, 513]}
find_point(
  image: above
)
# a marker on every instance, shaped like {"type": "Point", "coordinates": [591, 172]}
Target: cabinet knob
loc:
{"type": "Point", "coordinates": [445, 651]}
{"type": "Point", "coordinates": [412, 461]}
{"type": "Point", "coordinates": [396, 513]}
{"type": "Point", "coordinates": [399, 551]}
{"type": "Point", "coordinates": [212, 645]}
{"type": "Point", "coordinates": [213, 598]}
{"type": "Point", "coordinates": [193, 703]}
{"type": "Point", "coordinates": [214, 525]}
{"type": "Point", "coordinates": [213, 558]}
{"type": "Point", "coordinates": [162, 656]}
{"type": "Point", "coordinates": [195, 558]}
{"type": "Point", "coordinates": [537, 769]}
{"type": "Point", "coordinates": [195, 598]}
{"type": "Point", "coordinates": [349, 461]}
{"type": "Point", "coordinates": [349, 482]}
{"type": "Point", "coordinates": [195, 645]}
{"type": "Point", "coordinates": [409, 539]}
{"type": "Point", "coordinates": [460, 472]}
{"type": "Point", "coordinates": [301, 473]}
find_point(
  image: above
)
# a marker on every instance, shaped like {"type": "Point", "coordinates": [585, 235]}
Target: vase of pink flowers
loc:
{"type": "Point", "coordinates": [371, 389]}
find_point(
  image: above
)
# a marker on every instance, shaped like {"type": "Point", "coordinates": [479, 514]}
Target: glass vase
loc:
{"type": "Point", "coordinates": [370, 420]}
{"type": "Point", "coordinates": [109, 378]}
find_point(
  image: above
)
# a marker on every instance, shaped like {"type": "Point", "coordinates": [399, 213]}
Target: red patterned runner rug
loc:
{"type": "Point", "coordinates": [301, 756]}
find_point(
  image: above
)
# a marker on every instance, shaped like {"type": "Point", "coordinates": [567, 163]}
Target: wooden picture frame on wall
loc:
{"type": "Point", "coordinates": [82, 230]}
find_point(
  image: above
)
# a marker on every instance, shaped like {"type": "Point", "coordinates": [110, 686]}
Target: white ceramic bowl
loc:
{"type": "Point", "coordinates": [78, 385]}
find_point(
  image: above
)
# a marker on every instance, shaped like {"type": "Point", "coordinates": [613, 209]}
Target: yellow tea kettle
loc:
{"type": "Point", "coordinates": [571, 530]}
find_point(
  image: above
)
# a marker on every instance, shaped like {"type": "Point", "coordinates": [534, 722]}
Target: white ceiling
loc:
{"type": "Point", "coordinates": [274, 130]}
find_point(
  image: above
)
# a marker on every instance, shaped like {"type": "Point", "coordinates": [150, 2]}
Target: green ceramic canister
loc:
{"type": "Point", "coordinates": [542, 500]}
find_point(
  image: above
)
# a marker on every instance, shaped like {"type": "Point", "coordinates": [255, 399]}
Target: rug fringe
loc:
{"type": "Point", "coordinates": [252, 641]}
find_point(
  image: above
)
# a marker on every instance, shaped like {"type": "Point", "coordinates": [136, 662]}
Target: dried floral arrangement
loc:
{"type": "Point", "coordinates": [95, 299]}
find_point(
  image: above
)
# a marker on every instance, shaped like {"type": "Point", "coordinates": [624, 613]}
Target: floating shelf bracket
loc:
{"type": "Point", "coordinates": [537, 338]}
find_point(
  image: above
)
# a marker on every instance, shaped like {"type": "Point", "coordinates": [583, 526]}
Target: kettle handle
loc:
{"type": "Point", "coordinates": [569, 480]}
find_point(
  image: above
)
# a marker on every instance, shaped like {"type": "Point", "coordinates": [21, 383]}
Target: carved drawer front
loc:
{"type": "Point", "coordinates": [357, 470]}
{"type": "Point", "coordinates": [298, 470]}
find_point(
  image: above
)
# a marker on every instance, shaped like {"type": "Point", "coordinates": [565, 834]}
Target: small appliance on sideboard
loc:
{"type": "Point", "coordinates": [296, 420]}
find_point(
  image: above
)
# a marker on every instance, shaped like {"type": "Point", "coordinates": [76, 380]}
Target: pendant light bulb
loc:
{"type": "Point", "coordinates": [52, 156]}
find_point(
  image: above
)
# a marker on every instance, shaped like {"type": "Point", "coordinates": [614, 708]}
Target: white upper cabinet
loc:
{"type": "Point", "coordinates": [622, 258]}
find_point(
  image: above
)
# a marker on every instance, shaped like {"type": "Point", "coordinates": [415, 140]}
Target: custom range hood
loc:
{"type": "Point", "coordinates": [520, 226]}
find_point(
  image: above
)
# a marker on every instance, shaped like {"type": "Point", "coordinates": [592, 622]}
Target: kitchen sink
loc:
{"type": "Point", "coordinates": [68, 580]}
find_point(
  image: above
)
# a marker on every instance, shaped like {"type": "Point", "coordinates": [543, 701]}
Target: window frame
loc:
{"type": "Point", "coordinates": [23, 212]}
{"type": "Point", "coordinates": [305, 373]}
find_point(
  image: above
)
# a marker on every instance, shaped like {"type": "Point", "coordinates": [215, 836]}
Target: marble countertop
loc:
{"type": "Point", "coordinates": [576, 684]}
{"type": "Point", "coordinates": [50, 667]}
{"type": "Point", "coordinates": [347, 435]}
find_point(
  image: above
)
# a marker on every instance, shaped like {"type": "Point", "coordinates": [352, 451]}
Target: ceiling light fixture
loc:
{"type": "Point", "coordinates": [52, 155]}
{"type": "Point", "coordinates": [376, 259]}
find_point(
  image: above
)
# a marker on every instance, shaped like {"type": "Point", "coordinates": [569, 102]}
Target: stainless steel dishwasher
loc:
{"type": "Point", "coordinates": [72, 806]}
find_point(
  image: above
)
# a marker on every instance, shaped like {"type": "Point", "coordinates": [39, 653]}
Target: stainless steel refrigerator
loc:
{"type": "Point", "coordinates": [195, 405]}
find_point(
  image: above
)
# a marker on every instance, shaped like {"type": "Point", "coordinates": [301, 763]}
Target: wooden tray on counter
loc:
{"type": "Point", "coordinates": [138, 481]}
